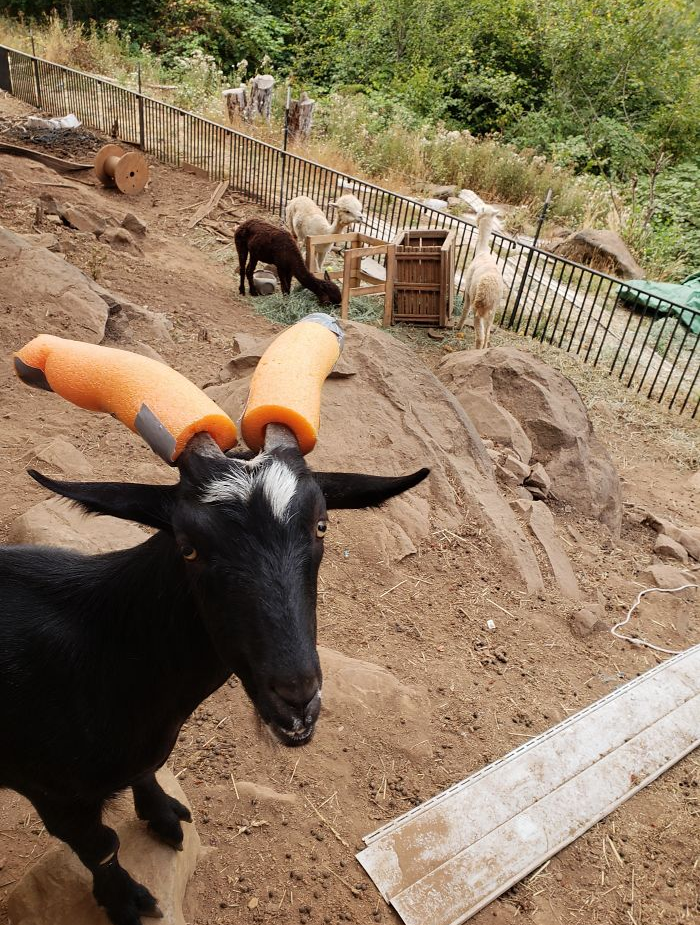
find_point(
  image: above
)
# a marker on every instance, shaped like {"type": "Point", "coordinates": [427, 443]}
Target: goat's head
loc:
{"type": "Point", "coordinates": [248, 532]}
{"type": "Point", "coordinates": [328, 292]}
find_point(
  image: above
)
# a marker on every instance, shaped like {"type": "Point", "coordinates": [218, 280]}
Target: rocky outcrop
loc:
{"type": "Point", "coordinates": [44, 293]}
{"type": "Point", "coordinates": [548, 410]}
{"type": "Point", "coordinates": [603, 250]}
{"type": "Point", "coordinates": [389, 414]}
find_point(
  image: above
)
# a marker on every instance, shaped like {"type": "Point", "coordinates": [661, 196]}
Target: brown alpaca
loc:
{"type": "Point", "coordinates": [257, 240]}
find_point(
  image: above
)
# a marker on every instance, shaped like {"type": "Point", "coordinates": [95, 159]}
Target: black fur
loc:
{"type": "Point", "coordinates": [257, 240]}
{"type": "Point", "coordinates": [102, 658]}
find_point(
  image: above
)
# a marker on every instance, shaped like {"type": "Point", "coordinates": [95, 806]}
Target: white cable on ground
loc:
{"type": "Point", "coordinates": [635, 640]}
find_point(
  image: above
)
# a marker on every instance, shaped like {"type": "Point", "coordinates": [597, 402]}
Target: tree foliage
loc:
{"type": "Point", "coordinates": [603, 85]}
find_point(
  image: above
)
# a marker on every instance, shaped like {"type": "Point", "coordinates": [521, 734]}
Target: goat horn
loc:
{"type": "Point", "coordinates": [279, 436]}
{"type": "Point", "coordinates": [153, 400]}
{"type": "Point", "coordinates": [286, 385]}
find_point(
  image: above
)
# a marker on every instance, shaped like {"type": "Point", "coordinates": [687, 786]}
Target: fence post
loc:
{"type": "Point", "coordinates": [37, 84]}
{"type": "Point", "coordinates": [284, 151]}
{"type": "Point", "coordinates": [5, 75]}
{"type": "Point", "coordinates": [523, 278]}
{"type": "Point", "coordinates": [142, 128]}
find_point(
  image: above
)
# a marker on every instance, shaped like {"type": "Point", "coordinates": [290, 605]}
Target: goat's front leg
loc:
{"type": "Point", "coordinates": [80, 827]}
{"type": "Point", "coordinates": [163, 813]}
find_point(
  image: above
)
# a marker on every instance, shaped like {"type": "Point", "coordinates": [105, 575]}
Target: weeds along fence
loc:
{"type": "Point", "coordinates": [654, 351]}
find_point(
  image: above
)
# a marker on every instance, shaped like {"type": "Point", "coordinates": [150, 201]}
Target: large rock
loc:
{"type": "Point", "coordinates": [67, 459]}
{"type": "Point", "coordinates": [57, 890]}
{"type": "Point", "coordinates": [601, 249]}
{"type": "Point", "coordinates": [371, 695]}
{"type": "Point", "coordinates": [58, 523]}
{"type": "Point", "coordinates": [42, 293]}
{"type": "Point", "coordinates": [393, 416]}
{"type": "Point", "coordinates": [549, 410]}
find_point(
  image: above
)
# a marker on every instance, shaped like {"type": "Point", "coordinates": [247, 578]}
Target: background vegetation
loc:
{"type": "Point", "coordinates": [598, 98]}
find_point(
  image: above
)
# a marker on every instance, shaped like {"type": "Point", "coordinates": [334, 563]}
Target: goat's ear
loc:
{"type": "Point", "coordinates": [351, 490]}
{"type": "Point", "coordinates": [150, 505]}
{"type": "Point", "coordinates": [327, 276]}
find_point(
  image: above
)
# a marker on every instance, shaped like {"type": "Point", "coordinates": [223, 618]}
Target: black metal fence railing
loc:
{"type": "Point", "coordinates": [654, 351]}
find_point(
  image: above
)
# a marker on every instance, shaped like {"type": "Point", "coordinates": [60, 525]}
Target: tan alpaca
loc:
{"type": "Point", "coordinates": [483, 282]}
{"type": "Point", "coordinates": [305, 218]}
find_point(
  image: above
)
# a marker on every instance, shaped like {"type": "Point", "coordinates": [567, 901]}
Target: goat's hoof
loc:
{"type": "Point", "coordinates": [154, 913]}
{"type": "Point", "coordinates": [167, 833]}
{"type": "Point", "coordinates": [129, 902]}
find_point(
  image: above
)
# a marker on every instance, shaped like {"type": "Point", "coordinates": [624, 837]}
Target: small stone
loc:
{"type": "Point", "coordinates": [589, 620]}
{"type": "Point", "coordinates": [253, 902]}
{"type": "Point", "coordinates": [518, 468]}
{"type": "Point", "coordinates": [82, 220]}
{"type": "Point", "coordinates": [61, 455]}
{"type": "Point", "coordinates": [134, 224]}
{"type": "Point", "coordinates": [663, 576]}
{"type": "Point", "coordinates": [538, 478]}
{"type": "Point", "coordinates": [524, 493]}
{"type": "Point", "coordinates": [666, 548]}
{"type": "Point", "coordinates": [119, 239]}
{"type": "Point", "coordinates": [47, 240]}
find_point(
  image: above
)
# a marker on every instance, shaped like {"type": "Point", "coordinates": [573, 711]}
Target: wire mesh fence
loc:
{"type": "Point", "coordinates": [654, 350]}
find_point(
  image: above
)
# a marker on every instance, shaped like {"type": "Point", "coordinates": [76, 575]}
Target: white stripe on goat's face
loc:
{"type": "Point", "coordinates": [276, 481]}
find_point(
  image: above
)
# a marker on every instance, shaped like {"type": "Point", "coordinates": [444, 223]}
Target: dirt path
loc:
{"type": "Point", "coordinates": [423, 619]}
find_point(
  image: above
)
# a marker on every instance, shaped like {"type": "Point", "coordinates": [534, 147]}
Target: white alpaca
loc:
{"type": "Point", "coordinates": [305, 218]}
{"type": "Point", "coordinates": [483, 282]}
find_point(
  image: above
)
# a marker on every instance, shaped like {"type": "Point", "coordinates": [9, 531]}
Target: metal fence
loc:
{"type": "Point", "coordinates": [652, 351]}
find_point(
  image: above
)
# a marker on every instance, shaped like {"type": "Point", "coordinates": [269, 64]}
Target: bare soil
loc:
{"type": "Point", "coordinates": [423, 619]}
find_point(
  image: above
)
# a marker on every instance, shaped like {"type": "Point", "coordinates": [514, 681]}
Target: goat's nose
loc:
{"type": "Point", "coordinates": [299, 693]}
{"type": "Point", "coordinates": [303, 697]}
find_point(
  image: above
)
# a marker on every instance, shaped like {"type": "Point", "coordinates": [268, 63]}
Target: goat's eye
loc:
{"type": "Point", "coordinates": [321, 528]}
{"type": "Point", "coordinates": [189, 553]}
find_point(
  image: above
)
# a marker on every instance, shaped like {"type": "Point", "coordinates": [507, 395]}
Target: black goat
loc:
{"type": "Point", "coordinates": [257, 240]}
{"type": "Point", "coordinates": [103, 658]}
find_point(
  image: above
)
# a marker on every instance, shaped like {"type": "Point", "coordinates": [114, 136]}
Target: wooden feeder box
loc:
{"type": "Point", "coordinates": [424, 279]}
{"type": "Point", "coordinates": [360, 265]}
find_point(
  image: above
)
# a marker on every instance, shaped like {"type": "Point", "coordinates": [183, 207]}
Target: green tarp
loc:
{"type": "Point", "coordinates": [681, 299]}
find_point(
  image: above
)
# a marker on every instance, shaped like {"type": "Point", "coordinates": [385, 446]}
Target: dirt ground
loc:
{"type": "Point", "coordinates": [423, 619]}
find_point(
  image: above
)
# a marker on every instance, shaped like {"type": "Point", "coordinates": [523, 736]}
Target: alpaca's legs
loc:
{"type": "Point", "coordinates": [479, 331]}
{"type": "Point", "coordinates": [285, 280]}
{"type": "Point", "coordinates": [488, 321]}
{"type": "Point", "coordinates": [252, 264]}
{"type": "Point", "coordinates": [242, 250]}
{"type": "Point", "coordinates": [321, 257]}
{"type": "Point", "coordinates": [465, 311]}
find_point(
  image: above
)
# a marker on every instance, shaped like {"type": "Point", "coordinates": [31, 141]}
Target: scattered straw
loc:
{"type": "Point", "coordinates": [327, 823]}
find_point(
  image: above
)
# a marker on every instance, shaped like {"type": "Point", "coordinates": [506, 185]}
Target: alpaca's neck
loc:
{"type": "Point", "coordinates": [337, 226]}
{"type": "Point", "coordinates": [305, 277]}
{"type": "Point", "coordinates": [482, 242]}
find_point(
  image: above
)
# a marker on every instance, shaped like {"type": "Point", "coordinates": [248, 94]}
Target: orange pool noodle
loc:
{"type": "Point", "coordinates": [152, 399]}
{"type": "Point", "coordinates": [286, 385]}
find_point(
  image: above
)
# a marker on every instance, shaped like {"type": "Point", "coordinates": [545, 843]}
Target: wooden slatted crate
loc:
{"type": "Point", "coordinates": [424, 288]}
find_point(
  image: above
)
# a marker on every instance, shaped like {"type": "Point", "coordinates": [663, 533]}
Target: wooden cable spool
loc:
{"type": "Point", "coordinates": [127, 170]}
